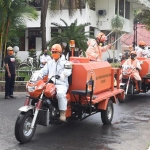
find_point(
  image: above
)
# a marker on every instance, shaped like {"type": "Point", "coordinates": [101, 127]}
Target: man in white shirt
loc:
{"type": "Point", "coordinates": [44, 58]}
{"type": "Point", "coordinates": [57, 66]}
{"type": "Point", "coordinates": [140, 50]}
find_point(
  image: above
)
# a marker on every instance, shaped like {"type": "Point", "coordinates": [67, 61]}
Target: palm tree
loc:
{"type": "Point", "coordinates": [71, 32]}
{"type": "Point", "coordinates": [13, 15]}
{"type": "Point", "coordinates": [55, 6]}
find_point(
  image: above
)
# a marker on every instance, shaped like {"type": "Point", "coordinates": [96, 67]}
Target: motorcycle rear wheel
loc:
{"type": "Point", "coordinates": [107, 115]}
{"type": "Point", "coordinates": [23, 132]}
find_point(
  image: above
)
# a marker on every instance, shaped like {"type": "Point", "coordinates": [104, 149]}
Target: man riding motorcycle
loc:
{"type": "Point", "coordinates": [57, 67]}
{"type": "Point", "coordinates": [96, 47]}
{"type": "Point", "coordinates": [134, 63]}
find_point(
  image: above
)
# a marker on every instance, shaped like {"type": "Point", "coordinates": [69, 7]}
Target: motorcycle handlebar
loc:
{"type": "Point", "coordinates": [50, 80]}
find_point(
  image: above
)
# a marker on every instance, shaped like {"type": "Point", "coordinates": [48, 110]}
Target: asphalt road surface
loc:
{"type": "Point", "coordinates": [130, 128]}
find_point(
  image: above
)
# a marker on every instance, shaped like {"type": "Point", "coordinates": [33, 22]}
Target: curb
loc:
{"type": "Point", "coordinates": [17, 88]}
{"type": "Point", "coordinates": [17, 94]}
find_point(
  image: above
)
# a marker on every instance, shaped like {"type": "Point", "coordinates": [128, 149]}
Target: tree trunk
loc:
{"type": "Point", "coordinates": [43, 22]}
{"type": "Point", "coordinates": [1, 37]}
{"type": "Point", "coordinates": [6, 36]}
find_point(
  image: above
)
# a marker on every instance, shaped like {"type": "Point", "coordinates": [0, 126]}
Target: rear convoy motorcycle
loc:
{"type": "Point", "coordinates": [129, 84]}
{"type": "Point", "coordinates": [91, 90]}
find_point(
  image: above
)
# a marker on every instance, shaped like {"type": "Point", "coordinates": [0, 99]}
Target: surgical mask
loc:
{"type": "Point", "coordinates": [45, 53]}
{"type": "Point", "coordinates": [56, 56]}
{"type": "Point", "coordinates": [10, 52]}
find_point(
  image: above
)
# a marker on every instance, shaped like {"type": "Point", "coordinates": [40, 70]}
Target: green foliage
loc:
{"type": "Point", "coordinates": [117, 22]}
{"type": "Point", "coordinates": [55, 6]}
{"type": "Point", "coordinates": [143, 16]}
{"type": "Point", "coordinates": [24, 74]}
{"type": "Point", "coordinates": [115, 65]}
{"type": "Point", "coordinates": [70, 5]}
{"type": "Point", "coordinates": [71, 32]}
{"type": "Point", "coordinates": [18, 61]}
{"type": "Point", "coordinates": [13, 16]}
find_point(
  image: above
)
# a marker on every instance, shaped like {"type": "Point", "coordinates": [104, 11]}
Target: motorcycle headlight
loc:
{"type": "Point", "coordinates": [31, 88]}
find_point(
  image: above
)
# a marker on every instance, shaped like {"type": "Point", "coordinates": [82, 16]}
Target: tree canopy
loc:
{"type": "Point", "coordinates": [143, 16]}
{"type": "Point", "coordinates": [57, 5]}
{"type": "Point", "coordinates": [71, 32]}
{"type": "Point", "coordinates": [13, 16]}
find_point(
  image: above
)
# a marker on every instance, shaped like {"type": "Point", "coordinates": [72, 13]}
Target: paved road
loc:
{"type": "Point", "coordinates": [130, 129]}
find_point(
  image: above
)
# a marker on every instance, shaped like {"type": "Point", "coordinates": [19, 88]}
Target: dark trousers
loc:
{"type": "Point", "coordinates": [9, 84]}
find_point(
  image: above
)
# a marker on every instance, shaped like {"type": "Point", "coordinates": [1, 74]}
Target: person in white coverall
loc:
{"type": "Point", "coordinates": [57, 66]}
{"type": "Point", "coordinates": [96, 48]}
{"type": "Point", "coordinates": [133, 62]}
{"type": "Point", "coordinates": [140, 50]}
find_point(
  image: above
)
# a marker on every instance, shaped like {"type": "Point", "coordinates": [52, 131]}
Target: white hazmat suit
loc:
{"type": "Point", "coordinates": [52, 68]}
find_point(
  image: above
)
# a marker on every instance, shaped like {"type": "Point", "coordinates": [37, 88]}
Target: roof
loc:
{"type": "Point", "coordinates": [142, 35]}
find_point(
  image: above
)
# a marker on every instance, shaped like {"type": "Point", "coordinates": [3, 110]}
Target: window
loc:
{"type": "Point", "coordinates": [34, 33]}
{"type": "Point", "coordinates": [92, 31]}
{"type": "Point", "coordinates": [54, 30]}
{"type": "Point", "coordinates": [127, 12]}
{"type": "Point", "coordinates": [116, 7]}
{"type": "Point", "coordinates": [36, 5]}
{"type": "Point", "coordinates": [121, 8]}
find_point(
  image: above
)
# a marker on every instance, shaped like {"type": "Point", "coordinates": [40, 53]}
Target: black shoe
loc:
{"type": "Point", "coordinates": [136, 92]}
{"type": "Point", "coordinates": [7, 97]}
{"type": "Point", "coordinates": [11, 96]}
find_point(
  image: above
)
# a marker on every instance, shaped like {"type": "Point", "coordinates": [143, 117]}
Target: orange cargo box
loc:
{"type": "Point", "coordinates": [79, 59]}
{"type": "Point", "coordinates": [145, 67]}
{"type": "Point", "coordinates": [99, 71]}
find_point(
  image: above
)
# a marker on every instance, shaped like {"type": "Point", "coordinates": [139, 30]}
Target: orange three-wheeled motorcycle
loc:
{"type": "Point", "coordinates": [91, 90]}
{"type": "Point", "coordinates": [129, 84]}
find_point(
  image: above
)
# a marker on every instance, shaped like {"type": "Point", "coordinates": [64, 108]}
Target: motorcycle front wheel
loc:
{"type": "Point", "coordinates": [23, 131]}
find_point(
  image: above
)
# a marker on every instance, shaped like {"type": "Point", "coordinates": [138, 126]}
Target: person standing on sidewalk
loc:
{"type": "Point", "coordinates": [10, 72]}
{"type": "Point", "coordinates": [44, 58]}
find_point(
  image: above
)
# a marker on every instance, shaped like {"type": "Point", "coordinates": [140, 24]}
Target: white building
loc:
{"type": "Point", "coordinates": [99, 16]}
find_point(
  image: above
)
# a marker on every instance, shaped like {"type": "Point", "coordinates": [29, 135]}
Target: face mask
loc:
{"type": "Point", "coordinates": [10, 52]}
{"type": "Point", "coordinates": [132, 57]}
{"type": "Point", "coordinates": [45, 53]}
{"type": "Point", "coordinates": [56, 56]}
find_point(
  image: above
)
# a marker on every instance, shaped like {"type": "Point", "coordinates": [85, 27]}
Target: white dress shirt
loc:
{"type": "Point", "coordinates": [44, 58]}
